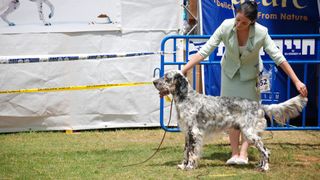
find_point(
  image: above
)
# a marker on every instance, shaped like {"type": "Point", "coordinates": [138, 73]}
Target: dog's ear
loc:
{"type": "Point", "coordinates": [181, 83]}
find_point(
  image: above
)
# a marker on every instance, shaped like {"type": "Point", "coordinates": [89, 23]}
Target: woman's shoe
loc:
{"type": "Point", "coordinates": [232, 160]}
{"type": "Point", "coordinates": [241, 161]}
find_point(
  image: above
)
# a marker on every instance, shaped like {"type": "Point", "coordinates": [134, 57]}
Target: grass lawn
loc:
{"type": "Point", "coordinates": [105, 155]}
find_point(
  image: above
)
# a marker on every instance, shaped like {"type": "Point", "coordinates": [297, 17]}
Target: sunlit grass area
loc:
{"type": "Point", "coordinates": [107, 154]}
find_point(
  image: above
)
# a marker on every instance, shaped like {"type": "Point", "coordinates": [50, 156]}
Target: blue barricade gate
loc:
{"type": "Point", "coordinates": [301, 50]}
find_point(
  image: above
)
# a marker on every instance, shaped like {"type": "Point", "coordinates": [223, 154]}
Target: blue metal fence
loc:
{"type": "Point", "coordinates": [307, 56]}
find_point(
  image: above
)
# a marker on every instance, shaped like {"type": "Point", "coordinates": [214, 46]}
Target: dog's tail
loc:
{"type": "Point", "coordinates": [286, 110]}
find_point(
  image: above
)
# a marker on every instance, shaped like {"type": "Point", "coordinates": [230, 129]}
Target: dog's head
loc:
{"type": "Point", "coordinates": [173, 82]}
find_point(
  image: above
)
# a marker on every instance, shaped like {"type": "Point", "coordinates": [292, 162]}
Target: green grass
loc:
{"type": "Point", "coordinates": [105, 155]}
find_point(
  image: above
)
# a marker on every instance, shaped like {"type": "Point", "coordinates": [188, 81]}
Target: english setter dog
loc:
{"type": "Point", "coordinates": [200, 115]}
{"type": "Point", "coordinates": [8, 6]}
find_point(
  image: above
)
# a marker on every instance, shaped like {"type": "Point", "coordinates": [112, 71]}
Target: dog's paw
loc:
{"type": "Point", "coordinates": [263, 168]}
{"type": "Point", "coordinates": [181, 166]}
{"type": "Point", "coordinates": [188, 166]}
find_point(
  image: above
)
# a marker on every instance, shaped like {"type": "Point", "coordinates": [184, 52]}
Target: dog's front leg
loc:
{"type": "Point", "coordinates": [11, 7]}
{"type": "Point", "coordinates": [185, 152]}
{"type": "Point", "coordinates": [192, 149]}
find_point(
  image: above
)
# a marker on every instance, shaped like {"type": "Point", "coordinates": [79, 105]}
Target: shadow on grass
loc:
{"type": "Point", "coordinates": [203, 165]}
{"type": "Point", "coordinates": [217, 156]}
{"type": "Point", "coordinates": [216, 159]}
{"type": "Point", "coordinates": [302, 146]}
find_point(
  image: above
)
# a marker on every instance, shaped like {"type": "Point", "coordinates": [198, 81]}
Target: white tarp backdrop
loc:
{"type": "Point", "coordinates": [143, 25]}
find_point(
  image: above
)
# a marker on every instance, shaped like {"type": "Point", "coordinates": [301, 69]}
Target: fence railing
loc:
{"type": "Point", "coordinates": [301, 50]}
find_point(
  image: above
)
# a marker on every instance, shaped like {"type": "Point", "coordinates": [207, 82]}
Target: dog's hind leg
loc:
{"type": "Point", "coordinates": [265, 154]}
{"type": "Point", "coordinates": [192, 149]}
{"type": "Point", "coordinates": [11, 7]}
{"type": "Point", "coordinates": [253, 137]}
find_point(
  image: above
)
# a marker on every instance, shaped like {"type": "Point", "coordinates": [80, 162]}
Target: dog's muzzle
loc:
{"type": "Point", "coordinates": [158, 84]}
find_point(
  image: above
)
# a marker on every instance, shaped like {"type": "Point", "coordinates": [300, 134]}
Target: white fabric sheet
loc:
{"type": "Point", "coordinates": [141, 31]}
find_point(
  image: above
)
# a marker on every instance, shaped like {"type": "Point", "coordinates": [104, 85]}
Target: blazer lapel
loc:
{"type": "Point", "coordinates": [250, 43]}
{"type": "Point", "coordinates": [233, 42]}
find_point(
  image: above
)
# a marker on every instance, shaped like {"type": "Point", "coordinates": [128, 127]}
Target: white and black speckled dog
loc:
{"type": "Point", "coordinates": [199, 115]}
{"type": "Point", "coordinates": [8, 6]}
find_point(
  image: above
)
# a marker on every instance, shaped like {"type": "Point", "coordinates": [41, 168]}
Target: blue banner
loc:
{"type": "Point", "coordinates": [289, 16]}
{"type": "Point", "coordinates": [280, 17]}
{"type": "Point", "coordinates": [214, 13]}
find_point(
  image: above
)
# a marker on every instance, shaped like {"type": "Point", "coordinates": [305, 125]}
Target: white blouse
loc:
{"type": "Point", "coordinates": [241, 49]}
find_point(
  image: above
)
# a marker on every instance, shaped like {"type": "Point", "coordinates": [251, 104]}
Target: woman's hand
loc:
{"type": "Point", "coordinates": [195, 59]}
{"type": "Point", "coordinates": [184, 72]}
{"type": "Point", "coordinates": [302, 88]}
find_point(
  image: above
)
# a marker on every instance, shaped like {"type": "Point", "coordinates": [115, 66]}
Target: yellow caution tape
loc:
{"type": "Point", "coordinates": [69, 131]}
{"type": "Point", "coordinates": [74, 88]}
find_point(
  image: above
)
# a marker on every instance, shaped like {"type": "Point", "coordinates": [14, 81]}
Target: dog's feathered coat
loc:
{"type": "Point", "coordinates": [199, 115]}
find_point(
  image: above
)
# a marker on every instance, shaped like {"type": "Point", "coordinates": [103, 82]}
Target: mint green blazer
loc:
{"type": "Point", "coordinates": [249, 63]}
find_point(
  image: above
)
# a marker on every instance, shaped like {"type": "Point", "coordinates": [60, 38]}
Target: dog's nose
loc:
{"type": "Point", "coordinates": [155, 82]}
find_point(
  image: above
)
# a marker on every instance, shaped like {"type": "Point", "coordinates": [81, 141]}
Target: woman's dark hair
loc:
{"type": "Point", "coordinates": [249, 8]}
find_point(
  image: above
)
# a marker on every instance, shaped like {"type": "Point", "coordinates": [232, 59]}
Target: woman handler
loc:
{"type": "Point", "coordinates": [241, 63]}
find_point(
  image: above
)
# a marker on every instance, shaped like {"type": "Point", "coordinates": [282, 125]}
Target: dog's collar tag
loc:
{"type": "Point", "coordinates": [167, 98]}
